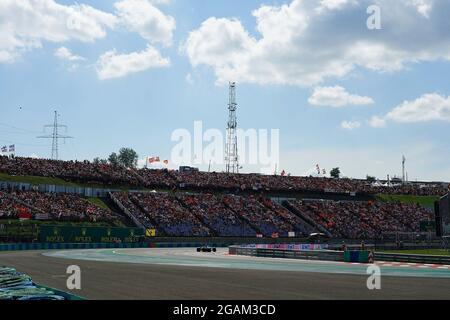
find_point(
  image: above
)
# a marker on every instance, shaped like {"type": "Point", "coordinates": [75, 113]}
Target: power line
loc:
{"type": "Point", "coordinates": [17, 128]}
{"type": "Point", "coordinates": [55, 136]}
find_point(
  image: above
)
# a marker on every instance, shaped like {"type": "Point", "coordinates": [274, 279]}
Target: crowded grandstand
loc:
{"type": "Point", "coordinates": [202, 204]}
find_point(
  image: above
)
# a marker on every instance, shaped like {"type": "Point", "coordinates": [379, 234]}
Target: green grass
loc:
{"type": "Point", "coordinates": [98, 202]}
{"type": "Point", "coordinates": [434, 252]}
{"type": "Point", "coordinates": [424, 201]}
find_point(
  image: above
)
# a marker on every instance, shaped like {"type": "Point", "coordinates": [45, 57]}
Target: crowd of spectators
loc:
{"type": "Point", "coordinates": [205, 214]}
{"type": "Point", "coordinates": [9, 209]}
{"type": "Point", "coordinates": [58, 206]}
{"type": "Point", "coordinates": [133, 209]}
{"type": "Point", "coordinates": [212, 211]}
{"type": "Point", "coordinates": [77, 171]}
{"type": "Point", "coordinates": [169, 214]}
{"type": "Point", "coordinates": [108, 174]}
{"type": "Point", "coordinates": [362, 220]}
{"type": "Point", "coordinates": [258, 215]}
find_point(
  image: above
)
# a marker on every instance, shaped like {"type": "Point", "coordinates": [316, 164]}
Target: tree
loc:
{"type": "Point", "coordinates": [335, 173]}
{"type": "Point", "coordinates": [113, 159]}
{"type": "Point", "coordinates": [128, 157]}
{"type": "Point", "coordinates": [371, 178]}
{"type": "Point", "coordinates": [98, 161]}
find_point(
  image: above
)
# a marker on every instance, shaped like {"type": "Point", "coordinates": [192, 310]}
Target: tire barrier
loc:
{"type": "Point", "coordinates": [15, 285]}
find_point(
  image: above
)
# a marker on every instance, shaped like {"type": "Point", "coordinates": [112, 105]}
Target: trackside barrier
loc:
{"type": "Point", "coordinates": [66, 246]}
{"type": "Point", "coordinates": [412, 258]}
{"type": "Point", "coordinates": [356, 256]}
{"type": "Point", "coordinates": [324, 255]}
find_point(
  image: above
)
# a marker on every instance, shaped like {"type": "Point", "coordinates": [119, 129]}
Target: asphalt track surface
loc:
{"type": "Point", "coordinates": [186, 274]}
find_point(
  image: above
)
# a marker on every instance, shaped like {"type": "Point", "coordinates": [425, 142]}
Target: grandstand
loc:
{"type": "Point", "coordinates": [201, 204]}
{"type": "Point", "coordinates": [111, 175]}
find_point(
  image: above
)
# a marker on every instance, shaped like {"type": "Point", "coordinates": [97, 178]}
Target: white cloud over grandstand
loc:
{"type": "Point", "coordinates": [65, 54]}
{"type": "Point", "coordinates": [350, 125]}
{"type": "Point", "coordinates": [26, 24]}
{"type": "Point", "coordinates": [428, 107]}
{"type": "Point", "coordinates": [377, 122]}
{"type": "Point", "coordinates": [113, 65]}
{"type": "Point", "coordinates": [306, 42]}
{"type": "Point", "coordinates": [143, 17]}
{"type": "Point", "coordinates": [336, 97]}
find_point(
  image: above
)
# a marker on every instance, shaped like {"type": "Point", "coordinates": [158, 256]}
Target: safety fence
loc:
{"type": "Point", "coordinates": [412, 258]}
{"type": "Point", "coordinates": [323, 255]}
{"type": "Point", "coordinates": [362, 256]}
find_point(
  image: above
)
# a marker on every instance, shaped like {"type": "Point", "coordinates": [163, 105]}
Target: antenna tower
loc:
{"type": "Point", "coordinates": [403, 169]}
{"type": "Point", "coordinates": [55, 136]}
{"type": "Point", "coordinates": [231, 151]}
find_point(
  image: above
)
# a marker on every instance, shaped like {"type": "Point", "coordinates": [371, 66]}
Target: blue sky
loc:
{"type": "Point", "coordinates": [313, 70]}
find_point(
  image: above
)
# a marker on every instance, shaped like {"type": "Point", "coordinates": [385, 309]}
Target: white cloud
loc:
{"type": "Point", "coordinates": [377, 122]}
{"type": "Point", "coordinates": [218, 43]}
{"type": "Point", "coordinates": [113, 65]}
{"type": "Point", "coordinates": [428, 107]}
{"type": "Point", "coordinates": [423, 6]}
{"type": "Point", "coordinates": [143, 17]}
{"type": "Point", "coordinates": [298, 45]}
{"type": "Point", "coordinates": [25, 24]}
{"type": "Point", "coordinates": [333, 4]}
{"type": "Point", "coordinates": [189, 78]}
{"type": "Point", "coordinates": [65, 54]}
{"type": "Point", "coordinates": [350, 125]}
{"type": "Point", "coordinates": [336, 97]}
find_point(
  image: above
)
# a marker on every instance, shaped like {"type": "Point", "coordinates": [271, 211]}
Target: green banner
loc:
{"type": "Point", "coordinates": [427, 226]}
{"type": "Point", "coordinates": [68, 234]}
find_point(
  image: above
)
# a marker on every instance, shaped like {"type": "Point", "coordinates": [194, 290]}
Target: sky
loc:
{"type": "Point", "coordinates": [354, 84]}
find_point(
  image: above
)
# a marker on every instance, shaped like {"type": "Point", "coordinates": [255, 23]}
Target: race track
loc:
{"type": "Point", "coordinates": [186, 274]}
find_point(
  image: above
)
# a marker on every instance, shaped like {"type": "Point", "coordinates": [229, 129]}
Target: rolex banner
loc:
{"type": "Point", "coordinates": [61, 234]}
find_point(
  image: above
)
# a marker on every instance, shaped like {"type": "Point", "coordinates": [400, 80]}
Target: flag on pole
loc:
{"type": "Point", "coordinates": [4, 149]}
{"type": "Point", "coordinates": [12, 148]}
{"type": "Point", "coordinates": [153, 159]}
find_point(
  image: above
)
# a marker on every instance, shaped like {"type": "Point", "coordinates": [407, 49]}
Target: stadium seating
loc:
{"type": "Point", "coordinates": [362, 220]}
{"type": "Point", "coordinates": [166, 212]}
{"type": "Point", "coordinates": [58, 206]}
{"type": "Point", "coordinates": [213, 212]}
{"type": "Point", "coordinates": [205, 214]}
{"type": "Point", "coordinates": [107, 174]}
